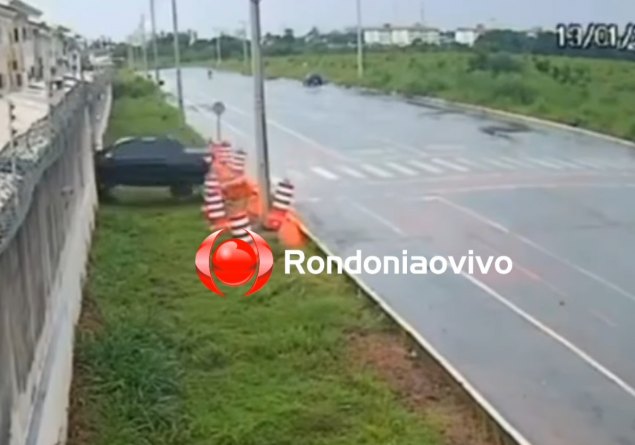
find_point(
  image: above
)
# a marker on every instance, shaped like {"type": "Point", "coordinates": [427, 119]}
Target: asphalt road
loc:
{"type": "Point", "coordinates": [552, 345]}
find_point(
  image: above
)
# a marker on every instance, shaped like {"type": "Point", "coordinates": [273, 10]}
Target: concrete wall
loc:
{"type": "Point", "coordinates": [41, 275]}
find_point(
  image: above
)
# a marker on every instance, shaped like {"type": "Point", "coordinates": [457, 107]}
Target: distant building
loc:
{"type": "Point", "coordinates": [8, 57]}
{"type": "Point", "coordinates": [466, 36]}
{"type": "Point", "coordinates": [533, 32]}
{"type": "Point", "coordinates": [401, 35]}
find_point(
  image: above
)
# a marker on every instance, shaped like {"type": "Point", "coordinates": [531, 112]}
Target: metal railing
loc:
{"type": "Point", "coordinates": [38, 148]}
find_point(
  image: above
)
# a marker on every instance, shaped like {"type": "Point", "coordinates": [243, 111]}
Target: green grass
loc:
{"type": "Point", "coordinates": [595, 94]}
{"type": "Point", "coordinates": [162, 361]}
{"type": "Point", "coordinates": [140, 110]}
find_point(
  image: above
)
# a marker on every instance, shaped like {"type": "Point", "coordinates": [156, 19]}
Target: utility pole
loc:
{"type": "Point", "coordinates": [245, 45]}
{"type": "Point", "coordinates": [262, 150]}
{"type": "Point", "coordinates": [360, 41]}
{"type": "Point", "coordinates": [177, 58]}
{"type": "Point", "coordinates": [155, 49]}
{"type": "Point", "coordinates": [144, 48]}
{"type": "Point", "coordinates": [219, 48]}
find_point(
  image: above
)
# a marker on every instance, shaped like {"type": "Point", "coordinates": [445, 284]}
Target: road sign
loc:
{"type": "Point", "coordinates": [218, 108]}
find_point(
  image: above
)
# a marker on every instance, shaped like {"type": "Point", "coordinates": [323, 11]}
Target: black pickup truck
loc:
{"type": "Point", "coordinates": [151, 162]}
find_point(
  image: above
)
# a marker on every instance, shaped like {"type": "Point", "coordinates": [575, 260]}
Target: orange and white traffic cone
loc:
{"type": "Point", "coordinates": [238, 162]}
{"type": "Point", "coordinates": [282, 202]}
{"type": "Point", "coordinates": [211, 182]}
{"type": "Point", "coordinates": [215, 212]}
{"type": "Point", "coordinates": [238, 224]}
{"type": "Point", "coordinates": [254, 204]}
{"type": "Point", "coordinates": [290, 233]}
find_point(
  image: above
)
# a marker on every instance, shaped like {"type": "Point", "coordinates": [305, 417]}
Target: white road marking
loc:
{"type": "Point", "coordinates": [566, 163]}
{"type": "Point", "coordinates": [590, 163]}
{"type": "Point", "coordinates": [546, 164]}
{"type": "Point", "coordinates": [456, 375]}
{"type": "Point", "coordinates": [402, 169]}
{"type": "Point", "coordinates": [604, 318]}
{"type": "Point", "coordinates": [488, 188]}
{"type": "Point", "coordinates": [450, 165]}
{"type": "Point", "coordinates": [378, 217]}
{"type": "Point", "coordinates": [292, 132]}
{"type": "Point", "coordinates": [553, 334]}
{"type": "Point", "coordinates": [349, 171]}
{"type": "Point", "coordinates": [423, 166]}
{"type": "Point", "coordinates": [324, 173]}
{"type": "Point", "coordinates": [539, 248]}
{"type": "Point", "coordinates": [516, 162]}
{"type": "Point", "coordinates": [470, 162]}
{"type": "Point", "coordinates": [376, 171]}
{"type": "Point", "coordinates": [499, 163]}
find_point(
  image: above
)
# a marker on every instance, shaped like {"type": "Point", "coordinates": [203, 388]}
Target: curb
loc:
{"type": "Point", "coordinates": [508, 434]}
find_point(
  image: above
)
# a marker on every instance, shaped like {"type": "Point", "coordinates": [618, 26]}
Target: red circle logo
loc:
{"type": "Point", "coordinates": [234, 262]}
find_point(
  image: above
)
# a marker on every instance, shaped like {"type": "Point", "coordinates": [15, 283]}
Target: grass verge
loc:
{"type": "Point", "coordinates": [160, 360]}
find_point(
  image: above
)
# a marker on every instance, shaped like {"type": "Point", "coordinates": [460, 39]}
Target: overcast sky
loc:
{"type": "Point", "coordinates": [117, 18]}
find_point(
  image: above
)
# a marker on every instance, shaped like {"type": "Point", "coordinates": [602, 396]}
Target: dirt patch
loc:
{"type": "Point", "coordinates": [422, 385]}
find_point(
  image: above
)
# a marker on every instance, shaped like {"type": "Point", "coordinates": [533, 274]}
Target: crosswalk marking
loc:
{"type": "Point", "coordinates": [500, 164]}
{"type": "Point", "coordinates": [589, 163]}
{"type": "Point", "coordinates": [515, 161]}
{"type": "Point", "coordinates": [354, 173]}
{"type": "Point", "coordinates": [376, 171]}
{"type": "Point", "coordinates": [471, 163]}
{"type": "Point", "coordinates": [545, 164]}
{"type": "Point", "coordinates": [608, 163]}
{"type": "Point", "coordinates": [568, 164]}
{"type": "Point", "coordinates": [450, 165]}
{"type": "Point", "coordinates": [402, 169]}
{"type": "Point", "coordinates": [324, 173]}
{"type": "Point", "coordinates": [426, 167]}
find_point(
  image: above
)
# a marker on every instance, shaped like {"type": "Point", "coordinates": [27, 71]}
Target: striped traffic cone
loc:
{"type": "Point", "coordinates": [238, 224]}
{"type": "Point", "coordinates": [222, 153]}
{"type": "Point", "coordinates": [215, 212]}
{"type": "Point", "coordinates": [238, 162]}
{"type": "Point", "coordinates": [211, 182]}
{"type": "Point", "coordinates": [291, 234]}
{"type": "Point", "coordinates": [282, 201]}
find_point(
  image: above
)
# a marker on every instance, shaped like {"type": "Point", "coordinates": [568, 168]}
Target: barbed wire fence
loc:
{"type": "Point", "coordinates": [43, 175]}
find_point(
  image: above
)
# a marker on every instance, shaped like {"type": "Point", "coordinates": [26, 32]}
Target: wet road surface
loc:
{"type": "Point", "coordinates": [551, 345]}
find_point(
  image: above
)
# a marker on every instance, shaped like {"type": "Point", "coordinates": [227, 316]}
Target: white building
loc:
{"type": "Point", "coordinates": [465, 36]}
{"type": "Point", "coordinates": [8, 55]}
{"type": "Point", "coordinates": [401, 35]}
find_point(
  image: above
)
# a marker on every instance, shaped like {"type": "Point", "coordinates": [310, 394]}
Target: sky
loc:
{"type": "Point", "coordinates": [118, 18]}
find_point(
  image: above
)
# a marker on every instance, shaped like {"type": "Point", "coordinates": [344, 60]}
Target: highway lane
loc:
{"type": "Point", "coordinates": [550, 345]}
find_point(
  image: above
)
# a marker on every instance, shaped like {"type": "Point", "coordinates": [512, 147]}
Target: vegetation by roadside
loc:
{"type": "Point", "coordinates": [161, 361]}
{"type": "Point", "coordinates": [589, 93]}
{"type": "Point", "coordinates": [139, 109]}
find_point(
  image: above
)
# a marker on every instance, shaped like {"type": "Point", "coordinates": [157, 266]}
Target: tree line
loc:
{"type": "Point", "coordinates": [287, 44]}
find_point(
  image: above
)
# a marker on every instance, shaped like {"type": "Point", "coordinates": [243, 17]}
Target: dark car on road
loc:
{"type": "Point", "coordinates": [152, 162]}
{"type": "Point", "coordinates": [314, 80]}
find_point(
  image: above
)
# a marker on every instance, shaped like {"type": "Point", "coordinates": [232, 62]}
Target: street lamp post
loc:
{"type": "Point", "coordinates": [360, 41]}
{"type": "Point", "coordinates": [262, 150]}
{"type": "Point", "coordinates": [155, 51]}
{"type": "Point", "coordinates": [219, 48]}
{"type": "Point", "coordinates": [144, 49]}
{"type": "Point", "coordinates": [245, 45]}
{"type": "Point", "coordinates": [177, 58]}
